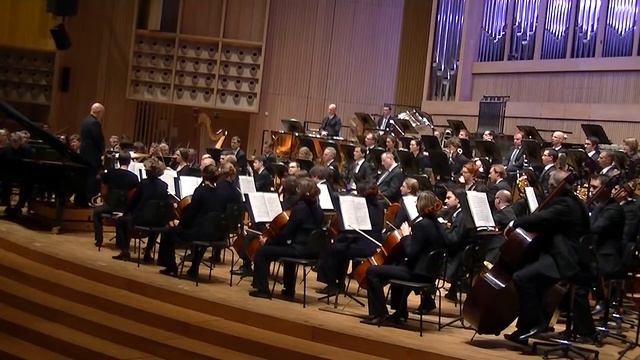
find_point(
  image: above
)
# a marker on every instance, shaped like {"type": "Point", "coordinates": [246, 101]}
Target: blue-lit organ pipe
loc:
{"type": "Point", "coordinates": [446, 49]}
{"type": "Point", "coordinates": [618, 35]}
{"type": "Point", "coordinates": [523, 34]}
{"type": "Point", "coordinates": [584, 38]}
{"type": "Point", "coordinates": [556, 29]}
{"type": "Point", "coordinates": [492, 36]}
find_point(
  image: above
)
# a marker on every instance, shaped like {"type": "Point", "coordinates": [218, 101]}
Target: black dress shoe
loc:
{"type": "Point", "coordinates": [286, 293]}
{"type": "Point", "coordinates": [599, 308]}
{"type": "Point", "coordinates": [515, 337]}
{"type": "Point", "coordinates": [259, 294]}
{"type": "Point", "coordinates": [376, 320]}
{"type": "Point", "coordinates": [243, 271]}
{"type": "Point", "coordinates": [98, 244]}
{"type": "Point", "coordinates": [425, 308]}
{"type": "Point", "coordinates": [397, 318]}
{"type": "Point", "coordinates": [122, 256]}
{"type": "Point", "coordinates": [452, 296]}
{"type": "Point", "coordinates": [147, 260]}
{"type": "Point", "coordinates": [169, 271]}
{"type": "Point", "coordinates": [328, 290]}
{"type": "Point", "coordinates": [533, 332]}
{"type": "Point", "coordinates": [192, 275]}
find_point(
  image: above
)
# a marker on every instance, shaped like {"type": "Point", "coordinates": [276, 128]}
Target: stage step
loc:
{"type": "Point", "coordinates": [105, 311]}
{"type": "Point", "coordinates": [12, 348]}
{"type": "Point", "coordinates": [59, 338]}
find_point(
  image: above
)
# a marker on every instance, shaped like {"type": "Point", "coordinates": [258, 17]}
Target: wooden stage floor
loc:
{"type": "Point", "coordinates": [74, 253]}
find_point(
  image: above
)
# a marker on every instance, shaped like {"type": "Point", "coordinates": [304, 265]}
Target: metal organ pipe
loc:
{"type": "Point", "coordinates": [446, 53]}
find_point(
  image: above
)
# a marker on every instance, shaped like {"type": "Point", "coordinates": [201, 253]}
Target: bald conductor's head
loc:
{"type": "Point", "coordinates": [97, 110]}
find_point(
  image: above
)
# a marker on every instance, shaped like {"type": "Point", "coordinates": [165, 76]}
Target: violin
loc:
{"type": "Point", "coordinates": [274, 228]}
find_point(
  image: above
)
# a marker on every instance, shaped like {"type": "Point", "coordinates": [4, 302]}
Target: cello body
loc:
{"type": "Point", "coordinates": [378, 258]}
{"type": "Point", "coordinates": [277, 224]}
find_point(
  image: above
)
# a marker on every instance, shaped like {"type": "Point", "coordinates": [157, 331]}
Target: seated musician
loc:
{"type": "Point", "coordinates": [151, 188]}
{"type": "Point", "coordinates": [497, 181]}
{"type": "Point", "coordinates": [17, 150]}
{"type": "Point", "coordinates": [468, 176]}
{"type": "Point", "coordinates": [418, 161]}
{"type": "Point", "coordinates": [293, 168]}
{"type": "Point", "coordinates": [289, 199]}
{"type": "Point", "coordinates": [305, 154]}
{"type": "Point", "coordinates": [370, 142]}
{"type": "Point", "coordinates": [607, 164]}
{"type": "Point", "coordinates": [592, 148]}
{"type": "Point", "coordinates": [456, 239]}
{"type": "Point", "coordinates": [180, 165]}
{"type": "Point", "coordinates": [559, 226]}
{"type": "Point", "coordinates": [331, 124]}
{"type": "Point", "coordinates": [118, 182]}
{"type": "Point", "coordinates": [502, 216]}
{"type": "Point", "coordinates": [514, 159]}
{"type": "Point", "coordinates": [410, 186]}
{"type": "Point", "coordinates": [418, 241]}
{"type": "Point", "coordinates": [488, 135]}
{"type": "Point", "coordinates": [549, 158]}
{"type": "Point", "coordinates": [263, 179]}
{"type": "Point", "coordinates": [306, 216]}
{"type": "Point", "coordinates": [268, 156]}
{"type": "Point", "coordinates": [329, 160]}
{"type": "Point", "coordinates": [359, 170]}
{"type": "Point", "coordinates": [456, 159]}
{"type": "Point", "coordinates": [332, 267]}
{"type": "Point", "coordinates": [630, 148]}
{"type": "Point", "coordinates": [623, 194]}
{"type": "Point", "coordinates": [391, 179]}
{"type": "Point", "coordinates": [391, 146]}
{"type": "Point", "coordinates": [520, 206]}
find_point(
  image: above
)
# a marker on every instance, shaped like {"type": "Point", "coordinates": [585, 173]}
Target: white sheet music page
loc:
{"type": "Point", "coordinates": [138, 169]}
{"type": "Point", "coordinates": [247, 184]}
{"type": "Point", "coordinates": [168, 177]}
{"type": "Point", "coordinates": [355, 214]}
{"type": "Point", "coordinates": [532, 200]}
{"type": "Point", "coordinates": [480, 210]}
{"type": "Point", "coordinates": [410, 205]}
{"type": "Point", "coordinates": [259, 207]}
{"type": "Point", "coordinates": [325, 197]}
{"type": "Point", "coordinates": [272, 202]}
{"type": "Point", "coordinates": [189, 184]}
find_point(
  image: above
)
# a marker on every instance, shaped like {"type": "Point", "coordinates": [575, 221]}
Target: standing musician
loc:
{"type": "Point", "coordinates": [119, 182]}
{"type": "Point", "coordinates": [549, 158]}
{"type": "Point", "coordinates": [514, 159]}
{"type": "Point", "coordinates": [559, 226]}
{"type": "Point", "coordinates": [390, 180]}
{"type": "Point", "coordinates": [332, 123]}
{"type": "Point", "coordinates": [306, 216]}
{"type": "Point", "coordinates": [359, 170]}
{"type": "Point", "coordinates": [151, 188]}
{"type": "Point", "coordinates": [332, 267]}
{"type": "Point", "coordinates": [424, 236]}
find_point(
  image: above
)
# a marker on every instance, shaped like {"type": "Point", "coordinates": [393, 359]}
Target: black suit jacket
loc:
{"type": "Point", "coordinates": [426, 235]}
{"type": "Point", "coordinates": [607, 224]}
{"type": "Point", "coordinates": [264, 181]}
{"type": "Point", "coordinates": [631, 221]}
{"type": "Point", "coordinates": [388, 123]}
{"type": "Point", "coordinates": [544, 179]}
{"type": "Point", "coordinates": [365, 171]}
{"type": "Point", "coordinates": [242, 162]}
{"type": "Point", "coordinates": [518, 162]}
{"type": "Point", "coordinates": [149, 189]}
{"type": "Point", "coordinates": [334, 173]}
{"type": "Point", "coordinates": [92, 140]}
{"type": "Point", "coordinates": [390, 184]}
{"type": "Point", "coordinates": [559, 227]}
{"type": "Point", "coordinates": [331, 126]}
{"type": "Point", "coordinates": [306, 216]}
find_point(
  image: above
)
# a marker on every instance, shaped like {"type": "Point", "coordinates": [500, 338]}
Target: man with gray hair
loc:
{"type": "Point", "coordinates": [332, 123]}
{"type": "Point", "coordinates": [92, 146]}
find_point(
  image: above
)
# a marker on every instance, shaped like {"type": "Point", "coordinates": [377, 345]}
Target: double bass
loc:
{"type": "Point", "coordinates": [493, 303]}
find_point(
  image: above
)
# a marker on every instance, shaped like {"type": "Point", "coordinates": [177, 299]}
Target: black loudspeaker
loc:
{"type": "Point", "coordinates": [65, 79]}
{"type": "Point", "coordinates": [60, 37]}
{"type": "Point", "coordinates": [62, 7]}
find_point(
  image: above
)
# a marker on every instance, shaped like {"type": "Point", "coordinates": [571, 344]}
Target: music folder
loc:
{"type": "Point", "coordinates": [354, 213]}
{"type": "Point", "coordinates": [169, 177]}
{"type": "Point", "coordinates": [263, 206]}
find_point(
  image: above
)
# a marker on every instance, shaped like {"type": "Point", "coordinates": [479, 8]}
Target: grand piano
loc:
{"type": "Point", "coordinates": [53, 167]}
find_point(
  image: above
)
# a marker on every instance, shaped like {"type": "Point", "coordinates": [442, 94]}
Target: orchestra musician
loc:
{"type": "Point", "coordinates": [607, 164]}
{"type": "Point", "coordinates": [149, 189]}
{"type": "Point", "coordinates": [424, 236]}
{"type": "Point", "coordinates": [559, 226]}
{"type": "Point", "coordinates": [180, 162]}
{"type": "Point", "coordinates": [468, 176]}
{"type": "Point", "coordinates": [306, 216]}
{"type": "Point", "coordinates": [497, 182]}
{"type": "Point", "coordinates": [293, 168]}
{"type": "Point", "coordinates": [409, 187]}
{"type": "Point", "coordinates": [630, 148]}
{"type": "Point", "coordinates": [514, 159]}
{"type": "Point", "coordinates": [557, 142]}
{"type": "Point", "coordinates": [456, 239]}
{"type": "Point", "coordinates": [118, 182]}
{"type": "Point", "coordinates": [114, 143]}
{"type": "Point", "coordinates": [391, 146]}
{"type": "Point", "coordinates": [264, 180]}
{"type": "Point", "coordinates": [329, 160]}
{"type": "Point", "coordinates": [488, 135]}
{"type": "Point", "coordinates": [502, 216]}
{"type": "Point", "coordinates": [16, 150]}
{"type": "Point", "coordinates": [456, 158]}
{"type": "Point", "coordinates": [391, 179]}
{"type": "Point", "coordinates": [239, 154]}
{"type": "Point", "coordinates": [268, 156]}
{"type": "Point", "coordinates": [91, 149]}
{"type": "Point", "coordinates": [386, 119]}
{"type": "Point", "coordinates": [418, 161]}
{"type": "Point", "coordinates": [331, 124]}
{"type": "Point", "coordinates": [332, 267]}
{"type": "Point", "coordinates": [549, 158]}
{"type": "Point", "coordinates": [370, 142]}
{"type": "Point", "coordinates": [359, 170]}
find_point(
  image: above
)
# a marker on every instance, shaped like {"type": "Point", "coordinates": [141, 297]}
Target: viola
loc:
{"type": "Point", "coordinates": [274, 228]}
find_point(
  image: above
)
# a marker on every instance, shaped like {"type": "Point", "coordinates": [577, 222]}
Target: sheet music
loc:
{"type": "Point", "coordinates": [189, 184]}
{"type": "Point", "coordinates": [532, 200]}
{"type": "Point", "coordinates": [355, 214]}
{"type": "Point", "coordinates": [409, 202]}
{"type": "Point", "coordinates": [247, 184]}
{"type": "Point", "coordinates": [480, 210]}
{"type": "Point", "coordinates": [325, 197]}
{"type": "Point", "coordinates": [138, 169]}
{"type": "Point", "coordinates": [168, 177]}
{"type": "Point", "coordinates": [264, 206]}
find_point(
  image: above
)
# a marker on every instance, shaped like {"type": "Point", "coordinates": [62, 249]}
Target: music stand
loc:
{"type": "Point", "coordinates": [530, 132]}
{"type": "Point", "coordinates": [488, 149]}
{"type": "Point", "coordinates": [531, 149]}
{"type": "Point", "coordinates": [431, 143]}
{"type": "Point", "coordinates": [576, 159]}
{"type": "Point", "coordinates": [347, 150]}
{"type": "Point", "coordinates": [424, 181]}
{"type": "Point", "coordinates": [215, 153]}
{"type": "Point", "coordinates": [404, 155]}
{"type": "Point", "coordinates": [305, 164]}
{"type": "Point", "coordinates": [596, 131]}
{"type": "Point", "coordinates": [292, 126]}
{"type": "Point", "coordinates": [456, 126]}
{"type": "Point", "coordinates": [406, 126]}
{"type": "Point", "coordinates": [465, 145]}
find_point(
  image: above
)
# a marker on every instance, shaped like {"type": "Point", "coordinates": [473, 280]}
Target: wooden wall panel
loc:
{"type": "Point", "coordinates": [568, 87]}
{"type": "Point", "coordinates": [26, 24]}
{"type": "Point", "coordinates": [204, 18]}
{"type": "Point", "coordinates": [245, 19]}
{"type": "Point", "coordinates": [328, 51]}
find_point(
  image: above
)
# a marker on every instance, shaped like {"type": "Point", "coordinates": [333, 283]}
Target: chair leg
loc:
{"type": "Point", "coordinates": [275, 280]}
{"type": "Point", "coordinates": [233, 256]}
{"type": "Point", "coordinates": [184, 256]}
{"type": "Point", "coordinates": [421, 302]}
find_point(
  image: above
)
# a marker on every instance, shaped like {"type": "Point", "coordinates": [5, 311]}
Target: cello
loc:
{"type": "Point", "coordinates": [492, 304]}
{"type": "Point", "coordinates": [274, 228]}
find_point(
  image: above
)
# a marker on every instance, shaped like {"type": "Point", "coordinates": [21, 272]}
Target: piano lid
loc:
{"type": "Point", "coordinates": [37, 133]}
